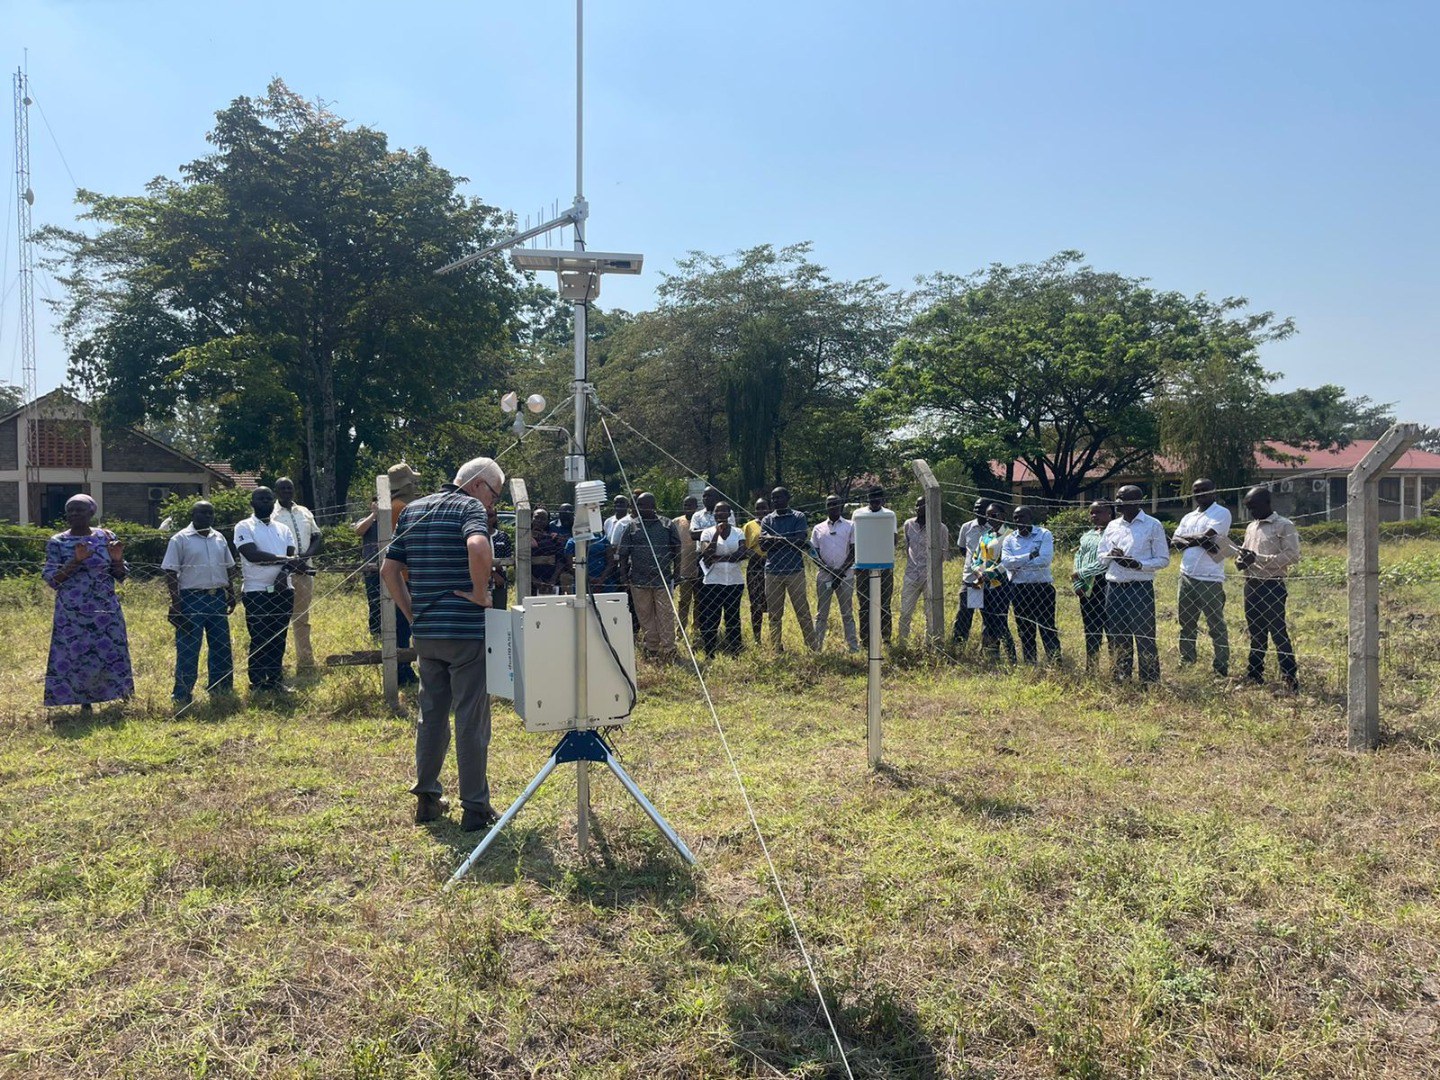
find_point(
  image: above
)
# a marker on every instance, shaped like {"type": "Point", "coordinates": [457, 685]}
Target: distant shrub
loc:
{"type": "Point", "coordinates": [1069, 525]}
{"type": "Point", "coordinates": [232, 505]}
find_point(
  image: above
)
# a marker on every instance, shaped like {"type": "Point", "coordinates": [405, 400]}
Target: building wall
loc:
{"type": "Point", "coordinates": [10, 501]}
{"type": "Point", "coordinates": [123, 451]}
{"type": "Point", "coordinates": [131, 502]}
{"type": "Point", "coordinates": [9, 446]}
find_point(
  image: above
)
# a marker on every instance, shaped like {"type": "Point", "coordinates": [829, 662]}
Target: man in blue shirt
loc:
{"type": "Point", "coordinates": [443, 539]}
{"type": "Point", "coordinates": [784, 538]}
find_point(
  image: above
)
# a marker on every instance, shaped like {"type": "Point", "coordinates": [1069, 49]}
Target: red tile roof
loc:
{"type": "Point", "coordinates": [1329, 461]}
{"type": "Point", "coordinates": [1344, 459]}
{"type": "Point", "coordinates": [245, 481]}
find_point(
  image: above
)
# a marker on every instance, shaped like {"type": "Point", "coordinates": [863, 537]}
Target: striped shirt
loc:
{"type": "Point", "coordinates": [430, 540]}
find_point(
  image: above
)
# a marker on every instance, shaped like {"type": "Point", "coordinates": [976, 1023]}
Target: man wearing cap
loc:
{"type": "Point", "coordinates": [443, 541]}
{"type": "Point", "coordinates": [301, 523]}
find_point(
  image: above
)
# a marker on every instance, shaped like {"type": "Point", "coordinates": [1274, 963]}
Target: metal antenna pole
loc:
{"type": "Point", "coordinates": [30, 478]}
{"type": "Point", "coordinates": [580, 387]}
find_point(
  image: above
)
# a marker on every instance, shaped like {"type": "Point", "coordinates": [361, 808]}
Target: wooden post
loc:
{"type": "Point", "coordinates": [520, 496]}
{"type": "Point", "coordinates": [938, 540]}
{"type": "Point", "coordinates": [1362, 530]}
{"type": "Point", "coordinates": [390, 667]}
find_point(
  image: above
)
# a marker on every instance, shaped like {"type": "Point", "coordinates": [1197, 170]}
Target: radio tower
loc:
{"type": "Point", "coordinates": [24, 201]}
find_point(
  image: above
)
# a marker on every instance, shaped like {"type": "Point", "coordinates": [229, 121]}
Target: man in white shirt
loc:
{"type": "Point", "coordinates": [875, 502]}
{"type": "Point", "coordinates": [267, 557]}
{"type": "Point", "coordinates": [967, 540]}
{"type": "Point", "coordinates": [197, 568]}
{"type": "Point", "coordinates": [1203, 538]}
{"type": "Point", "coordinates": [915, 583]}
{"type": "Point", "coordinates": [1134, 549]}
{"type": "Point", "coordinates": [1026, 555]}
{"type": "Point", "coordinates": [301, 523]}
{"type": "Point", "coordinates": [834, 541]}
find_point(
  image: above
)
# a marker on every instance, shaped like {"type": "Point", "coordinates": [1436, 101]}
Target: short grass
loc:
{"type": "Point", "coordinates": [1050, 876]}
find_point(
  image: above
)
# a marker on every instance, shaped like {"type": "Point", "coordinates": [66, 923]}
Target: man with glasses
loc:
{"type": "Point", "coordinates": [444, 542]}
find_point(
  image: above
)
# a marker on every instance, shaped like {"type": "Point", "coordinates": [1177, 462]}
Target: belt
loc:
{"type": "Point", "coordinates": [206, 592]}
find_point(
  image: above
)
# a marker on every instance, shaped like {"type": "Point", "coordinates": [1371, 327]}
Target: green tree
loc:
{"type": "Point", "coordinates": [1214, 406]}
{"type": "Point", "coordinates": [1056, 365]}
{"type": "Point", "coordinates": [1326, 416]}
{"type": "Point", "coordinates": [11, 397]}
{"type": "Point", "coordinates": [287, 278]}
{"type": "Point", "coordinates": [741, 352]}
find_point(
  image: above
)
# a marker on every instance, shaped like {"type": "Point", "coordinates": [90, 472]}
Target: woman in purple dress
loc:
{"type": "Point", "coordinates": [89, 653]}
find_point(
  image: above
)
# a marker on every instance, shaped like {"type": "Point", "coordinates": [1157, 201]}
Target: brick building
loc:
{"type": "Point", "coordinates": [126, 472]}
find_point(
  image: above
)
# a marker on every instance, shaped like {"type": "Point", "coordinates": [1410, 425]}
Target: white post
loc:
{"type": "Point", "coordinates": [873, 703]}
{"type": "Point", "coordinates": [389, 666]}
{"type": "Point", "coordinates": [1363, 533]}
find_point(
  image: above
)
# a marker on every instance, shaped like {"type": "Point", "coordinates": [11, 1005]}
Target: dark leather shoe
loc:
{"type": "Point", "coordinates": [430, 808]}
{"type": "Point", "coordinates": [476, 820]}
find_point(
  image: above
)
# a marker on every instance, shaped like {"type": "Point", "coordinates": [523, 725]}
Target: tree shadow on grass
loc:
{"type": "Point", "coordinates": [992, 808]}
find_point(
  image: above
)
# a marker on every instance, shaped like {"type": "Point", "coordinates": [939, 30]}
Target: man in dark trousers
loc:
{"type": "Point", "coordinates": [444, 541]}
{"type": "Point", "coordinates": [1272, 546]}
{"type": "Point", "coordinates": [267, 559]}
{"type": "Point", "coordinates": [197, 567]}
{"type": "Point", "coordinates": [876, 502]}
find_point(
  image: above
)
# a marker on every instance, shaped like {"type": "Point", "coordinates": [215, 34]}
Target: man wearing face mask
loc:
{"type": "Point", "coordinates": [267, 558]}
{"type": "Point", "coordinates": [197, 567]}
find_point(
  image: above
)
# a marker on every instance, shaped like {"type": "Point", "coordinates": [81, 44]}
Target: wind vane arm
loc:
{"type": "Point", "coordinates": [573, 215]}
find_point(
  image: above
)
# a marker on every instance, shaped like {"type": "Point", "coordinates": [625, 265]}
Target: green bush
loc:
{"type": "Point", "coordinates": [232, 505]}
{"type": "Point", "coordinates": [1069, 525]}
{"type": "Point", "coordinates": [22, 547]}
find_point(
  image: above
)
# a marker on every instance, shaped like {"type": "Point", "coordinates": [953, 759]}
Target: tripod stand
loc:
{"type": "Point", "coordinates": [576, 746]}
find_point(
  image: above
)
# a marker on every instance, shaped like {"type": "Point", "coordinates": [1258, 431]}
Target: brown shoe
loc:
{"type": "Point", "coordinates": [430, 808]}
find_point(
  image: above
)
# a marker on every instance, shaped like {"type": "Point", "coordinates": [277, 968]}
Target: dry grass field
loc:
{"type": "Point", "coordinates": [1050, 876]}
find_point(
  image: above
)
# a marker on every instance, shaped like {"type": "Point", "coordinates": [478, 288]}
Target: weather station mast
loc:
{"type": "Point", "coordinates": [564, 631]}
{"type": "Point", "coordinates": [28, 494]}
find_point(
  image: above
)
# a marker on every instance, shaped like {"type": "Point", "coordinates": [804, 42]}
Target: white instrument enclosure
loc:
{"type": "Point", "coordinates": [530, 659]}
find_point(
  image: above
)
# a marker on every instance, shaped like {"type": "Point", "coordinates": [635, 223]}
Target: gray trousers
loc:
{"type": "Point", "coordinates": [843, 590]}
{"type": "Point", "coordinates": [1203, 598]}
{"type": "Point", "coordinates": [452, 673]}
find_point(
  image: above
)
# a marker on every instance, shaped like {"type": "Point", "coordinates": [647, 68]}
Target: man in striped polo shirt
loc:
{"type": "Point", "coordinates": [443, 540]}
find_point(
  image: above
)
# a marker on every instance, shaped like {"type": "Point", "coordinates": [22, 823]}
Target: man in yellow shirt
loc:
{"type": "Point", "coordinates": [755, 568]}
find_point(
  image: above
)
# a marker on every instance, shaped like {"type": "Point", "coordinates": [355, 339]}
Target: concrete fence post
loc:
{"type": "Point", "coordinates": [520, 496]}
{"type": "Point", "coordinates": [1362, 530]}
{"type": "Point", "coordinates": [938, 543]}
{"type": "Point", "coordinates": [389, 666]}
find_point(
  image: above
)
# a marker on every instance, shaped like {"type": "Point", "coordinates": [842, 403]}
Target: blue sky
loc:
{"type": "Point", "coordinates": [1282, 151]}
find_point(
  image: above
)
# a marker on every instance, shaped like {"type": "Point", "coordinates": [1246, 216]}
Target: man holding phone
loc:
{"type": "Point", "coordinates": [1134, 549]}
{"type": "Point", "coordinates": [1203, 539]}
